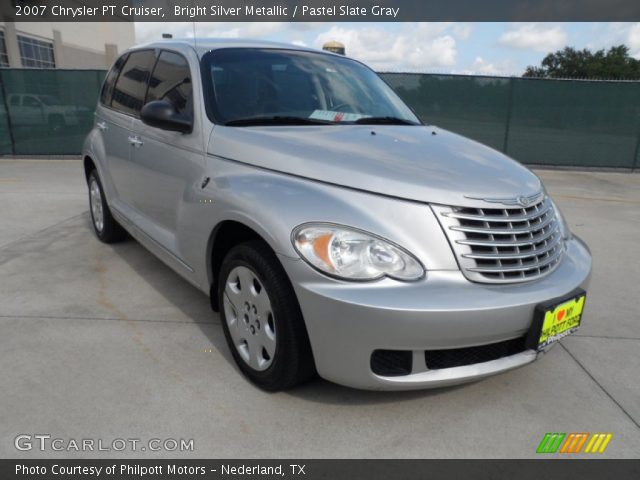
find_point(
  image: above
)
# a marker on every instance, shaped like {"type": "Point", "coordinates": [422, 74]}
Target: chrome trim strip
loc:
{"type": "Point", "coordinates": [511, 256]}
{"type": "Point", "coordinates": [505, 231]}
{"type": "Point", "coordinates": [498, 218]}
{"type": "Point", "coordinates": [520, 268]}
{"type": "Point", "coordinates": [523, 201]}
{"type": "Point", "coordinates": [509, 243]}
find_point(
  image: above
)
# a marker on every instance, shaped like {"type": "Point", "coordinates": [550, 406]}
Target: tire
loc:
{"type": "Point", "coordinates": [261, 319]}
{"type": "Point", "coordinates": [104, 225]}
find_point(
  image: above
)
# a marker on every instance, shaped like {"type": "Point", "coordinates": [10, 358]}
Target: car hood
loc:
{"type": "Point", "coordinates": [425, 164]}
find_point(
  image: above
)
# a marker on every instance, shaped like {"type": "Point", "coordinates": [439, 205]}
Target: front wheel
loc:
{"type": "Point", "coordinates": [261, 318]}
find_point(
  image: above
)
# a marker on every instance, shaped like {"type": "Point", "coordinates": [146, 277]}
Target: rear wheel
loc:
{"type": "Point", "coordinates": [107, 229]}
{"type": "Point", "coordinates": [261, 318]}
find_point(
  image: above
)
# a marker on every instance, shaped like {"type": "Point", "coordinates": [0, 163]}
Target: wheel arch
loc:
{"type": "Point", "coordinates": [226, 235]}
{"type": "Point", "coordinates": [89, 165]}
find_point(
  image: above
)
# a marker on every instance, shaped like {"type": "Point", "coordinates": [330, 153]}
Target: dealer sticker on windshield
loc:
{"type": "Point", "coordinates": [557, 320]}
{"type": "Point", "coordinates": [333, 116]}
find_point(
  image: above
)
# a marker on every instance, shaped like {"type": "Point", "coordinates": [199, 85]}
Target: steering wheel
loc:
{"type": "Point", "coordinates": [267, 94]}
{"type": "Point", "coordinates": [267, 80]}
{"type": "Point", "coordinates": [337, 108]}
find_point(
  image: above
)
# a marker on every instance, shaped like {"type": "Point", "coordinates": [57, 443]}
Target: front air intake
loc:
{"type": "Point", "coordinates": [459, 357]}
{"type": "Point", "coordinates": [391, 363]}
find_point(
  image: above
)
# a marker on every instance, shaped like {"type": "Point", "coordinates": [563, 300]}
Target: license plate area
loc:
{"type": "Point", "coordinates": [556, 319]}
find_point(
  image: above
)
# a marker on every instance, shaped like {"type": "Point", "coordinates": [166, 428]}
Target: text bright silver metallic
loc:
{"type": "Point", "coordinates": [411, 185]}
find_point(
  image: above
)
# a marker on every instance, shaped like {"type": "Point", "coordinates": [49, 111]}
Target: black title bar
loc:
{"type": "Point", "coordinates": [320, 10]}
{"type": "Point", "coordinates": [296, 469]}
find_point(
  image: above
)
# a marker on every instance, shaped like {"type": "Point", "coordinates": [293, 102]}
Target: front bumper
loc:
{"type": "Point", "coordinates": [348, 321]}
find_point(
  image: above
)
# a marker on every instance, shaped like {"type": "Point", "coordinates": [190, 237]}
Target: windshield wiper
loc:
{"type": "Point", "coordinates": [384, 121]}
{"type": "Point", "coordinates": [275, 120]}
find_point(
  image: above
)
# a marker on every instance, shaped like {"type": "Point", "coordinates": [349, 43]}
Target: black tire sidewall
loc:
{"type": "Point", "coordinates": [292, 361]}
{"type": "Point", "coordinates": [111, 230]}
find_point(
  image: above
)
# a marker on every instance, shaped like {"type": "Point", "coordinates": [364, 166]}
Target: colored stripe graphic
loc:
{"type": "Point", "coordinates": [598, 443]}
{"type": "Point", "coordinates": [550, 443]}
{"type": "Point", "coordinates": [574, 442]}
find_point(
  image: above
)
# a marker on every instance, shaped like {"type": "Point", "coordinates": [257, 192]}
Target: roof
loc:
{"type": "Point", "coordinates": [204, 45]}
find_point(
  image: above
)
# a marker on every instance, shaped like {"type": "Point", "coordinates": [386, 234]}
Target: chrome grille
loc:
{"type": "Point", "coordinates": [502, 245]}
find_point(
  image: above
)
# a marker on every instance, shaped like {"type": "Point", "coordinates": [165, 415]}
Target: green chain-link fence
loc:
{"type": "Point", "coordinates": [543, 122]}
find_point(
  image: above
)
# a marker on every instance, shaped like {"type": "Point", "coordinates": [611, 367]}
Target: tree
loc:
{"type": "Point", "coordinates": [615, 64]}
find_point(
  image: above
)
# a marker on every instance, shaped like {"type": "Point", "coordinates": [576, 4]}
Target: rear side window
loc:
{"type": "Point", "coordinates": [131, 86]}
{"type": "Point", "coordinates": [110, 81]}
{"type": "Point", "coordinates": [171, 81]}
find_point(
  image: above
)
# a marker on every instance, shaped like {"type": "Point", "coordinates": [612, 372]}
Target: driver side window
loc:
{"type": "Point", "coordinates": [171, 81]}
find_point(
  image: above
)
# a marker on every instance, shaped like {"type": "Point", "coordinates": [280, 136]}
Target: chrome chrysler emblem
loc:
{"type": "Point", "coordinates": [522, 200]}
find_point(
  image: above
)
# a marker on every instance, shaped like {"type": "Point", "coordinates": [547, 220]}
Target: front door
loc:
{"type": "Point", "coordinates": [166, 163]}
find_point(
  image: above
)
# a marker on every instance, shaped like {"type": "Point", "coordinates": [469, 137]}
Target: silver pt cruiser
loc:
{"type": "Point", "coordinates": [333, 230]}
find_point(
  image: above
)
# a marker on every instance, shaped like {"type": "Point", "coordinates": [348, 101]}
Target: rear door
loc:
{"type": "Point", "coordinates": [112, 127]}
{"type": "Point", "coordinates": [116, 122]}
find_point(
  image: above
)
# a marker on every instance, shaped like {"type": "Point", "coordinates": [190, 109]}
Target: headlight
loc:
{"type": "Point", "coordinates": [351, 254]}
{"type": "Point", "coordinates": [562, 223]}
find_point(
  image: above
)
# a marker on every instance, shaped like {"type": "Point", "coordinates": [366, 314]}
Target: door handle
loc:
{"type": "Point", "coordinates": [101, 125]}
{"type": "Point", "coordinates": [135, 141]}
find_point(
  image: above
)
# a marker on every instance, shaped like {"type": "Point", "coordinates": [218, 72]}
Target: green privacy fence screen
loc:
{"type": "Point", "coordinates": [542, 122]}
{"type": "Point", "coordinates": [46, 112]}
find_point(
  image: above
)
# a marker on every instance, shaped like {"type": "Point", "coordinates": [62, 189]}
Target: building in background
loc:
{"type": "Point", "coordinates": [80, 45]}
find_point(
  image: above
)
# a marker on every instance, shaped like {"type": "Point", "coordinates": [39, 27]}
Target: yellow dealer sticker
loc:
{"type": "Point", "coordinates": [561, 320]}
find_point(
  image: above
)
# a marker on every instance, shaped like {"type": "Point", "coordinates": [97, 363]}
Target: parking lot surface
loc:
{"type": "Point", "coordinates": [106, 342]}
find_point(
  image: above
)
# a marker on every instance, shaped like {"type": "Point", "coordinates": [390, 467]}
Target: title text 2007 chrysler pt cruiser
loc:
{"type": "Point", "coordinates": [333, 230]}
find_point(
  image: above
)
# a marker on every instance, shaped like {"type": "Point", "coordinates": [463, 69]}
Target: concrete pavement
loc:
{"type": "Point", "coordinates": [105, 342]}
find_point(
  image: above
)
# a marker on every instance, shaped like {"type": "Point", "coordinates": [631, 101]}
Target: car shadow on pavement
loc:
{"type": "Point", "coordinates": [195, 306]}
{"type": "Point", "coordinates": [322, 391]}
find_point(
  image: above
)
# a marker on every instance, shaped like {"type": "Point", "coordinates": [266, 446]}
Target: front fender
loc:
{"type": "Point", "coordinates": [273, 204]}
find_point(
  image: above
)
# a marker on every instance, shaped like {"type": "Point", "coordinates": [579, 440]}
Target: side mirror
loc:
{"type": "Point", "coordinates": [161, 114]}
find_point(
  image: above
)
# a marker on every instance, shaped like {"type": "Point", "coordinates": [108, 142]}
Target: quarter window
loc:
{"type": "Point", "coordinates": [131, 85]}
{"type": "Point", "coordinates": [36, 53]}
{"type": "Point", "coordinates": [171, 81]}
{"type": "Point", "coordinates": [110, 81]}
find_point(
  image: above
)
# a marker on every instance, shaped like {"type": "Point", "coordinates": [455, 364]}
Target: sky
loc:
{"type": "Point", "coordinates": [481, 48]}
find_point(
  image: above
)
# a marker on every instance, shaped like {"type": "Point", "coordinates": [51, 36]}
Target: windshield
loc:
{"type": "Point", "coordinates": [254, 86]}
